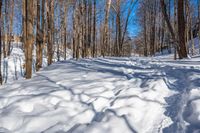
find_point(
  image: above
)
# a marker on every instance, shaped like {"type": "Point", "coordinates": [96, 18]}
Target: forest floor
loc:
{"type": "Point", "coordinates": [105, 95]}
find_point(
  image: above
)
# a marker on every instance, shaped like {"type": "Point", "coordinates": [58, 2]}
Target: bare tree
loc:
{"type": "Point", "coordinates": [0, 40]}
{"type": "Point", "coordinates": [38, 38]}
{"type": "Point", "coordinates": [65, 30]}
{"type": "Point", "coordinates": [29, 37]}
{"type": "Point", "coordinates": [11, 15]}
{"type": "Point", "coordinates": [199, 23]}
{"type": "Point", "coordinates": [181, 29]}
{"type": "Point", "coordinates": [50, 19]}
{"type": "Point", "coordinates": [105, 32]}
{"type": "Point", "coordinates": [180, 44]}
{"type": "Point", "coordinates": [94, 28]}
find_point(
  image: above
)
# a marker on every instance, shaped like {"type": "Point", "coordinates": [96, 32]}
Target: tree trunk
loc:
{"type": "Point", "coordinates": [1, 80]}
{"type": "Point", "coordinates": [162, 34]}
{"type": "Point", "coordinates": [94, 29]}
{"type": "Point", "coordinates": [10, 28]}
{"type": "Point", "coordinates": [78, 32]}
{"type": "Point", "coordinates": [118, 24]}
{"type": "Point", "coordinates": [153, 28]}
{"type": "Point", "coordinates": [74, 32]}
{"type": "Point", "coordinates": [65, 31]}
{"type": "Point", "coordinates": [38, 38]}
{"type": "Point", "coordinates": [145, 33]}
{"type": "Point", "coordinates": [199, 23]}
{"type": "Point", "coordinates": [42, 35]}
{"type": "Point", "coordinates": [176, 43]}
{"type": "Point", "coordinates": [89, 28]}
{"type": "Point", "coordinates": [5, 46]}
{"type": "Point", "coordinates": [50, 17]}
{"type": "Point", "coordinates": [29, 37]}
{"type": "Point", "coordinates": [24, 23]}
{"type": "Point", "coordinates": [175, 26]}
{"type": "Point", "coordinates": [105, 34]}
{"type": "Point", "coordinates": [181, 29]}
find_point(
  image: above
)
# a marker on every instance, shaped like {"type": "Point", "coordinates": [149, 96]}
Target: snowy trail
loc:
{"type": "Point", "coordinates": [102, 95]}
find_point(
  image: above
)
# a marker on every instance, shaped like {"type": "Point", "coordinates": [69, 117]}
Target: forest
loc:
{"type": "Point", "coordinates": [92, 28]}
{"type": "Point", "coordinates": [100, 66]}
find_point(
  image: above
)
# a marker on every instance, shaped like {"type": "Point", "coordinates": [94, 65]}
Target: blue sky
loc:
{"type": "Point", "coordinates": [134, 27]}
{"type": "Point", "coordinates": [17, 23]}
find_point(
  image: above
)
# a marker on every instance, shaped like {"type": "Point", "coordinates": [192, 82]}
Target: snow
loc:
{"type": "Point", "coordinates": [192, 110]}
{"type": "Point", "coordinates": [13, 65]}
{"type": "Point", "coordinates": [105, 95]}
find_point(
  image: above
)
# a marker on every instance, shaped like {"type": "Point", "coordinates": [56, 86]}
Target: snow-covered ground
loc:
{"type": "Point", "coordinates": [105, 95]}
{"type": "Point", "coordinates": [13, 65]}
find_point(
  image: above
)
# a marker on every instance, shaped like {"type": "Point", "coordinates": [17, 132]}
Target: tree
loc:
{"type": "Point", "coordinates": [1, 80]}
{"type": "Point", "coordinates": [94, 28]}
{"type": "Point", "coordinates": [50, 19]}
{"type": "Point", "coordinates": [5, 45]}
{"type": "Point", "coordinates": [11, 15]}
{"type": "Point", "coordinates": [180, 43]}
{"type": "Point", "coordinates": [124, 31]}
{"type": "Point", "coordinates": [199, 23]}
{"type": "Point", "coordinates": [175, 26]}
{"type": "Point", "coordinates": [24, 23]}
{"type": "Point", "coordinates": [74, 32]}
{"type": "Point", "coordinates": [38, 39]}
{"type": "Point", "coordinates": [181, 29]}
{"type": "Point", "coordinates": [152, 27]}
{"type": "Point", "coordinates": [29, 37]}
{"type": "Point", "coordinates": [105, 31]}
{"type": "Point", "coordinates": [145, 32]}
{"type": "Point", "coordinates": [65, 30]}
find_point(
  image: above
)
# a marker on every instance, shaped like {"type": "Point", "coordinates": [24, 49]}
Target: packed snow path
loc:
{"type": "Point", "coordinates": [105, 95]}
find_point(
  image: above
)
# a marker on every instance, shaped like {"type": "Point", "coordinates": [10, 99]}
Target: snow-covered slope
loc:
{"type": "Point", "coordinates": [192, 53]}
{"type": "Point", "coordinates": [13, 65]}
{"type": "Point", "coordinates": [105, 95]}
